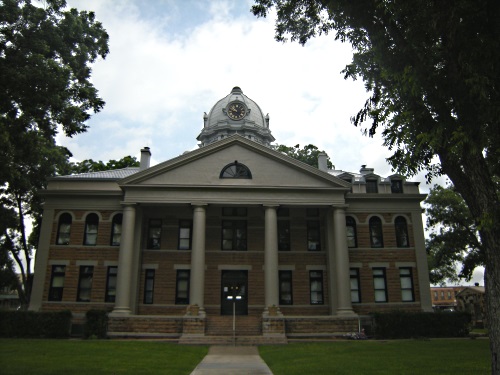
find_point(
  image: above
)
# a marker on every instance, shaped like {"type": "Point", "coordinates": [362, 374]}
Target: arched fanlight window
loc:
{"type": "Point", "coordinates": [376, 237]}
{"type": "Point", "coordinates": [401, 232]}
{"type": "Point", "coordinates": [116, 230]}
{"type": "Point", "coordinates": [91, 225]}
{"type": "Point", "coordinates": [235, 170]}
{"type": "Point", "coordinates": [352, 238]}
{"type": "Point", "coordinates": [64, 229]}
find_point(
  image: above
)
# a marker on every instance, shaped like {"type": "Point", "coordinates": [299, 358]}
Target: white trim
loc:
{"type": "Point", "coordinates": [321, 267]}
{"type": "Point", "coordinates": [379, 265]}
{"type": "Point", "coordinates": [406, 264]}
{"type": "Point", "coordinates": [234, 267]}
{"type": "Point", "coordinates": [286, 267]}
{"type": "Point", "coordinates": [87, 263]}
{"type": "Point", "coordinates": [54, 262]}
{"type": "Point", "coordinates": [111, 263]}
{"type": "Point", "coordinates": [355, 265]}
{"type": "Point", "coordinates": [182, 266]}
{"type": "Point", "coordinates": [150, 266]}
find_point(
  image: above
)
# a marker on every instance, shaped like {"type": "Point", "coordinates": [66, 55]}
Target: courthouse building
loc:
{"type": "Point", "coordinates": [233, 228]}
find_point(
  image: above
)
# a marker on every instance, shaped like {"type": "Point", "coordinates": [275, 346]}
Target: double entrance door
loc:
{"type": "Point", "coordinates": [234, 292]}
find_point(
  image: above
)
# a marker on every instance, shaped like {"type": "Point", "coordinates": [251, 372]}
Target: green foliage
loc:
{"type": "Point", "coordinates": [308, 154]}
{"type": "Point", "coordinates": [454, 237]}
{"type": "Point", "coordinates": [45, 57]}
{"type": "Point", "coordinates": [35, 324]}
{"type": "Point", "coordinates": [96, 324]}
{"type": "Point", "coordinates": [90, 165]}
{"type": "Point", "coordinates": [404, 325]}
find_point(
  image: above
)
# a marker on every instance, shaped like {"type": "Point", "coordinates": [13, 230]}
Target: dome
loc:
{"type": "Point", "coordinates": [235, 114]}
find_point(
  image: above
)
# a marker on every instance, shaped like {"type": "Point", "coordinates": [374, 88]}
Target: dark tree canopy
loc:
{"type": "Point", "coordinates": [46, 52]}
{"type": "Point", "coordinates": [90, 165]}
{"type": "Point", "coordinates": [454, 237]}
{"type": "Point", "coordinates": [308, 154]}
{"type": "Point", "coordinates": [432, 73]}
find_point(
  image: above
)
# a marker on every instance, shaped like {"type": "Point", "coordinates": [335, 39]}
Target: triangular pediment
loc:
{"type": "Point", "coordinates": [202, 167]}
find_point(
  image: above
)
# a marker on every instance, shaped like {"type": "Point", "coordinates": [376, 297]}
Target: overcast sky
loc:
{"type": "Point", "coordinates": [172, 60]}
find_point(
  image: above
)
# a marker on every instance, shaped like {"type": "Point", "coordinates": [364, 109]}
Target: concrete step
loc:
{"type": "Point", "coordinates": [230, 340]}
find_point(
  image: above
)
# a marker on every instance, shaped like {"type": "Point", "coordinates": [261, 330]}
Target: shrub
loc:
{"type": "Point", "coordinates": [399, 325]}
{"type": "Point", "coordinates": [96, 325]}
{"type": "Point", "coordinates": [31, 324]}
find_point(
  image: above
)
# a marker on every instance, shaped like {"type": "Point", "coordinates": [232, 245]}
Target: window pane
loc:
{"type": "Point", "coordinates": [407, 295]}
{"type": "Point", "coordinates": [354, 296]}
{"type": "Point", "coordinates": [380, 296]}
{"type": "Point", "coordinates": [379, 283]}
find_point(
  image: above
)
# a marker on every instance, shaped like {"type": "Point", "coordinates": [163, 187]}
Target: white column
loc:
{"type": "Point", "coordinates": [421, 257]}
{"type": "Point", "coordinates": [271, 282]}
{"type": "Point", "coordinates": [197, 282]}
{"type": "Point", "coordinates": [41, 260]}
{"type": "Point", "coordinates": [344, 305]}
{"type": "Point", "coordinates": [125, 263]}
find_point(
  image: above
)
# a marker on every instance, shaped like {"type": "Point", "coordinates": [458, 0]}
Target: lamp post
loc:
{"type": "Point", "coordinates": [234, 297]}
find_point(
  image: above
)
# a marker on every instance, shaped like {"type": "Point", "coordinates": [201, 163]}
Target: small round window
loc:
{"type": "Point", "coordinates": [235, 170]}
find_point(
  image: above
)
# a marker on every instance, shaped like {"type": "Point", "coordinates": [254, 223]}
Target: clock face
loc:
{"type": "Point", "coordinates": [236, 111]}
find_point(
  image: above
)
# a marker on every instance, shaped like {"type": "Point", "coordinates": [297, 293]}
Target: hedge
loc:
{"type": "Point", "coordinates": [400, 325]}
{"type": "Point", "coordinates": [31, 324]}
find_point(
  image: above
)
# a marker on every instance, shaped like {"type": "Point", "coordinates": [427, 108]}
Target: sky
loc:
{"type": "Point", "coordinates": [172, 60]}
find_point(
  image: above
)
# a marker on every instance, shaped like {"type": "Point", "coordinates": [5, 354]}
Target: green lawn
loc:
{"type": "Point", "coordinates": [462, 356]}
{"type": "Point", "coordinates": [95, 357]}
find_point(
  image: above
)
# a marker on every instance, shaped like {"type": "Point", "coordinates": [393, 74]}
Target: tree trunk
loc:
{"type": "Point", "coordinates": [474, 182]}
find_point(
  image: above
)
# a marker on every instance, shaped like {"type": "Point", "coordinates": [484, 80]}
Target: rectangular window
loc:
{"type": "Point", "coordinates": [286, 294]}
{"type": "Point", "coordinates": [149, 286]}
{"type": "Point", "coordinates": [316, 287]}
{"type": "Point", "coordinates": [85, 283]}
{"type": "Point", "coordinates": [371, 186]}
{"type": "Point", "coordinates": [379, 285]}
{"type": "Point", "coordinates": [396, 186]}
{"type": "Point", "coordinates": [449, 295]}
{"type": "Point", "coordinates": [406, 278]}
{"type": "Point", "coordinates": [182, 287]}
{"type": "Point", "coordinates": [57, 283]}
{"type": "Point", "coordinates": [185, 230]}
{"type": "Point", "coordinates": [154, 234]}
{"type": "Point", "coordinates": [283, 235]}
{"type": "Point", "coordinates": [234, 235]}
{"type": "Point", "coordinates": [111, 284]}
{"type": "Point", "coordinates": [313, 236]}
{"type": "Point", "coordinates": [355, 291]}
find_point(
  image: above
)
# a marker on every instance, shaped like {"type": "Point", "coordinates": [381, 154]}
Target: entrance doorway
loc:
{"type": "Point", "coordinates": [234, 290]}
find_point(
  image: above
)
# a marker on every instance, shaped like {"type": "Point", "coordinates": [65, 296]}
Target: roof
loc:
{"type": "Point", "coordinates": [116, 174]}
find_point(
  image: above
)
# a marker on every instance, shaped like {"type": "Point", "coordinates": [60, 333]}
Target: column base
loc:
{"type": "Point", "coordinates": [345, 312]}
{"type": "Point", "coordinates": [120, 311]}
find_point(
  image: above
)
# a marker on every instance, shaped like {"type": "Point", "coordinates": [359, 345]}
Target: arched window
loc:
{"type": "Point", "coordinates": [235, 170]}
{"type": "Point", "coordinates": [116, 230]}
{"type": "Point", "coordinates": [401, 232]}
{"type": "Point", "coordinates": [352, 238]}
{"type": "Point", "coordinates": [376, 237]}
{"type": "Point", "coordinates": [91, 225]}
{"type": "Point", "coordinates": [64, 229]}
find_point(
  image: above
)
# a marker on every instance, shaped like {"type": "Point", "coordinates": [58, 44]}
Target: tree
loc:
{"type": "Point", "coordinates": [45, 57]}
{"type": "Point", "coordinates": [454, 238]}
{"type": "Point", "coordinates": [90, 165]}
{"type": "Point", "coordinates": [431, 69]}
{"type": "Point", "coordinates": [308, 154]}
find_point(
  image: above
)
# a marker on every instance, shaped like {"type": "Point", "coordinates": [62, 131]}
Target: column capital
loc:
{"type": "Point", "coordinates": [200, 204]}
{"type": "Point", "coordinates": [270, 205]}
{"type": "Point", "coordinates": [340, 207]}
{"type": "Point", "coordinates": [128, 204]}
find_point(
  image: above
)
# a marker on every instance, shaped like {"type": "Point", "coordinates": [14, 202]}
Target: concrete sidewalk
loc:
{"type": "Point", "coordinates": [229, 360]}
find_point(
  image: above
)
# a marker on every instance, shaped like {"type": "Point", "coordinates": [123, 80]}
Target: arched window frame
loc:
{"type": "Point", "coordinates": [401, 229]}
{"type": "Point", "coordinates": [351, 231]}
{"type": "Point", "coordinates": [116, 230]}
{"type": "Point", "coordinates": [64, 229]}
{"type": "Point", "coordinates": [236, 170]}
{"type": "Point", "coordinates": [91, 229]}
{"type": "Point", "coordinates": [376, 232]}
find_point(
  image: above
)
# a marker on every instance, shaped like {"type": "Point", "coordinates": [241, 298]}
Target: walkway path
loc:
{"type": "Point", "coordinates": [229, 360]}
